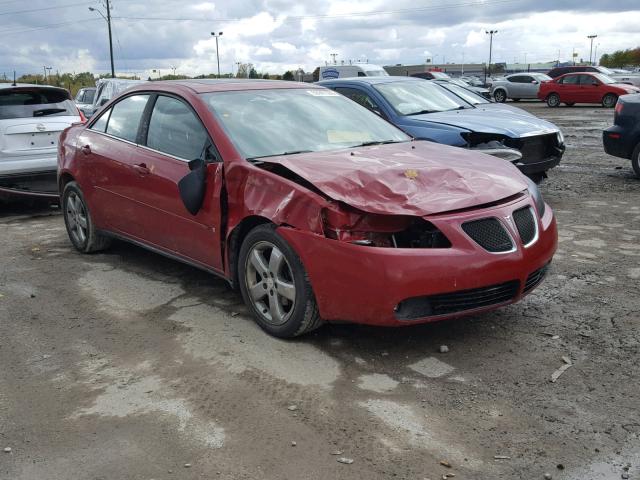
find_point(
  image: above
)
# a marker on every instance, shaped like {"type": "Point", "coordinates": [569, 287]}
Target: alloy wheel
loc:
{"type": "Point", "coordinates": [269, 282]}
{"type": "Point", "coordinates": [77, 218]}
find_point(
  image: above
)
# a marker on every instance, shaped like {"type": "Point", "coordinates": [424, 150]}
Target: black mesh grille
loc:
{"type": "Point", "coordinates": [536, 148]}
{"type": "Point", "coordinates": [448, 303]}
{"type": "Point", "coordinates": [489, 234]}
{"type": "Point", "coordinates": [534, 278]}
{"type": "Point", "coordinates": [526, 224]}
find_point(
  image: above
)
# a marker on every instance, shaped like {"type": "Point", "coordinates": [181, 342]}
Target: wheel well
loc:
{"type": "Point", "coordinates": [235, 242]}
{"type": "Point", "coordinates": [63, 180]}
{"type": "Point", "coordinates": [498, 90]}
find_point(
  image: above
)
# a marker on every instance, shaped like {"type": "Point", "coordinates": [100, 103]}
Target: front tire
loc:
{"type": "Point", "coordinates": [275, 286]}
{"type": "Point", "coordinates": [553, 100]}
{"type": "Point", "coordinates": [77, 218]}
{"type": "Point", "coordinates": [609, 100]}
{"type": "Point", "coordinates": [500, 96]}
{"type": "Point", "coordinates": [635, 160]}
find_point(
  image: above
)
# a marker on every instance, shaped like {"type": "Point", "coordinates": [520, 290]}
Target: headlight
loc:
{"type": "Point", "coordinates": [534, 191]}
{"type": "Point", "coordinates": [560, 138]}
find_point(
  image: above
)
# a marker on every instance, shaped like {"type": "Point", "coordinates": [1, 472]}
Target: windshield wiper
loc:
{"type": "Point", "coordinates": [291, 152]}
{"type": "Point", "coordinates": [461, 107]}
{"type": "Point", "coordinates": [48, 111]}
{"type": "Point", "coordinates": [376, 142]}
{"type": "Point", "coordinates": [421, 112]}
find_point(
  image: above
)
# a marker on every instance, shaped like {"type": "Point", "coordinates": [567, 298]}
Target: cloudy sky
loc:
{"type": "Point", "coordinates": [277, 35]}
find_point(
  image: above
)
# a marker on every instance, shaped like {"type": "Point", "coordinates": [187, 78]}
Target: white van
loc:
{"type": "Point", "coordinates": [331, 72]}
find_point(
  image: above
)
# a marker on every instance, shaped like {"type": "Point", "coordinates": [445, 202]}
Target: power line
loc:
{"type": "Point", "coordinates": [46, 8]}
{"type": "Point", "coordinates": [50, 25]}
{"type": "Point", "coordinates": [477, 3]}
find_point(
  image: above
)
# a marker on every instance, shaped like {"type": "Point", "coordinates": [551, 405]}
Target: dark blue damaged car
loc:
{"type": "Point", "coordinates": [428, 111]}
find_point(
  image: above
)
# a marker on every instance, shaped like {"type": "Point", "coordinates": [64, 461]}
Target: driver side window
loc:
{"type": "Point", "coordinates": [175, 130]}
{"type": "Point", "coordinates": [360, 97]}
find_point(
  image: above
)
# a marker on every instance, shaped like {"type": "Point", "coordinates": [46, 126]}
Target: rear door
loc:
{"type": "Point", "coordinates": [107, 148]}
{"type": "Point", "coordinates": [173, 136]}
{"type": "Point", "coordinates": [569, 89]}
{"type": "Point", "coordinates": [516, 86]}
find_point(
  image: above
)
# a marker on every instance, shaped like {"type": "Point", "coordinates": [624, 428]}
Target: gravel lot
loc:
{"type": "Point", "coordinates": [128, 365]}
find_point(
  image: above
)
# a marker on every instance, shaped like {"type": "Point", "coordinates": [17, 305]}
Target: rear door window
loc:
{"type": "Point", "coordinates": [124, 120]}
{"type": "Point", "coordinates": [358, 96]}
{"type": "Point", "coordinates": [175, 130]}
{"type": "Point", "coordinates": [571, 80]}
{"type": "Point", "coordinates": [35, 102]}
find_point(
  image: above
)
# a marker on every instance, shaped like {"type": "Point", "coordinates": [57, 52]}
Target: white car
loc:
{"type": "Point", "coordinates": [31, 120]}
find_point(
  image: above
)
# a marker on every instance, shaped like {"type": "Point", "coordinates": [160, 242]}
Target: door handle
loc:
{"type": "Point", "coordinates": [142, 169]}
{"type": "Point", "coordinates": [86, 149]}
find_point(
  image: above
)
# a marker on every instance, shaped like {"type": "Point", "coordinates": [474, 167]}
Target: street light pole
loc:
{"type": "Point", "coordinates": [591, 37]}
{"type": "Point", "coordinates": [219, 34]}
{"type": "Point", "coordinates": [490, 33]}
{"type": "Point", "coordinates": [108, 20]}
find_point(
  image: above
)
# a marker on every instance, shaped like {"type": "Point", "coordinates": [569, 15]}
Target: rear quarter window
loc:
{"type": "Point", "coordinates": [35, 102]}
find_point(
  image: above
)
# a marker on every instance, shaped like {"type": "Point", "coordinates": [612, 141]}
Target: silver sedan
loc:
{"type": "Point", "coordinates": [517, 86]}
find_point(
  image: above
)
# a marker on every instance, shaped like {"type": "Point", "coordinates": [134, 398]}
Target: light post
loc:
{"type": "Point", "coordinates": [219, 34]}
{"type": "Point", "coordinates": [108, 20]}
{"type": "Point", "coordinates": [490, 33]}
{"type": "Point", "coordinates": [591, 37]}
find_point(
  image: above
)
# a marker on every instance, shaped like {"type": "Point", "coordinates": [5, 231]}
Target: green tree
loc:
{"type": "Point", "coordinates": [288, 75]}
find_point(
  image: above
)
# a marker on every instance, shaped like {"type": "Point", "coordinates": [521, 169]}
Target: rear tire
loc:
{"type": "Point", "coordinates": [635, 160]}
{"type": "Point", "coordinates": [609, 100]}
{"type": "Point", "coordinates": [500, 96]}
{"type": "Point", "coordinates": [275, 286]}
{"type": "Point", "coordinates": [553, 100]}
{"type": "Point", "coordinates": [77, 218]}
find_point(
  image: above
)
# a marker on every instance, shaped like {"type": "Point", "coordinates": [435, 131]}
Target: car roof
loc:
{"type": "Point", "coordinates": [223, 85]}
{"type": "Point", "coordinates": [372, 80]}
{"type": "Point", "coordinates": [29, 85]}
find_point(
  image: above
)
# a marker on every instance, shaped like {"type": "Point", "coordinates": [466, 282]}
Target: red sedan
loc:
{"type": "Point", "coordinates": [573, 88]}
{"type": "Point", "coordinates": [317, 209]}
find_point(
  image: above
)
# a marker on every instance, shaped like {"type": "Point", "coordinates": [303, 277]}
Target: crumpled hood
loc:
{"type": "Point", "coordinates": [411, 178]}
{"type": "Point", "coordinates": [490, 120]}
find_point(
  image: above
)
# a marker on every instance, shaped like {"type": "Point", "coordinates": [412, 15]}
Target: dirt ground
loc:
{"type": "Point", "coordinates": [126, 365]}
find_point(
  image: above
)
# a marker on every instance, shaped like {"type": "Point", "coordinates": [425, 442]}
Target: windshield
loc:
{"type": "Point", "coordinates": [264, 123]}
{"type": "Point", "coordinates": [35, 102]}
{"type": "Point", "coordinates": [465, 94]}
{"type": "Point", "coordinates": [413, 98]}
{"type": "Point", "coordinates": [440, 75]}
{"type": "Point", "coordinates": [605, 70]}
{"type": "Point", "coordinates": [376, 73]}
{"type": "Point", "coordinates": [541, 77]}
{"type": "Point", "coordinates": [603, 78]}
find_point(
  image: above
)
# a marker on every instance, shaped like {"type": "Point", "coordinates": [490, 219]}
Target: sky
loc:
{"type": "Point", "coordinates": [279, 35]}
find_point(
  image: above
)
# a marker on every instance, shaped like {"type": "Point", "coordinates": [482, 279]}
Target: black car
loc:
{"type": "Point", "coordinates": [623, 138]}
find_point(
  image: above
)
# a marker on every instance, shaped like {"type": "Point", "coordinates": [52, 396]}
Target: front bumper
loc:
{"type": "Point", "coordinates": [541, 166]}
{"type": "Point", "coordinates": [617, 143]}
{"type": "Point", "coordinates": [366, 284]}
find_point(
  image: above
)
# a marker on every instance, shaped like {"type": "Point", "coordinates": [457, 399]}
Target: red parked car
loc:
{"type": "Point", "coordinates": [317, 209]}
{"type": "Point", "coordinates": [573, 88]}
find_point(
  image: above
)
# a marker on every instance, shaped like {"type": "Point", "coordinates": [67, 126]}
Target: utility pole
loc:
{"type": "Point", "coordinates": [219, 34]}
{"type": "Point", "coordinates": [44, 69]}
{"type": "Point", "coordinates": [595, 54]}
{"type": "Point", "coordinates": [591, 37]}
{"type": "Point", "coordinates": [108, 20]}
{"type": "Point", "coordinates": [491, 33]}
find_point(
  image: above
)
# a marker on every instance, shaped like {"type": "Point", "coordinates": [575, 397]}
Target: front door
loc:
{"type": "Point", "coordinates": [174, 135]}
{"type": "Point", "coordinates": [589, 89]}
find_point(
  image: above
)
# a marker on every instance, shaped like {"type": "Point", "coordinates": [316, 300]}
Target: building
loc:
{"type": "Point", "coordinates": [453, 69]}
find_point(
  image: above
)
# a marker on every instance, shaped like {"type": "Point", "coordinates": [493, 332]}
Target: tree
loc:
{"type": "Point", "coordinates": [253, 73]}
{"type": "Point", "coordinates": [621, 58]}
{"type": "Point", "coordinates": [288, 75]}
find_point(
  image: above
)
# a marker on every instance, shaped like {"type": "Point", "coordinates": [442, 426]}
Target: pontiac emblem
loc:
{"type": "Point", "coordinates": [40, 127]}
{"type": "Point", "coordinates": [411, 174]}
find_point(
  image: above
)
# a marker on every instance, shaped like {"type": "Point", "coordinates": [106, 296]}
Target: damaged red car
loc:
{"type": "Point", "coordinates": [314, 207]}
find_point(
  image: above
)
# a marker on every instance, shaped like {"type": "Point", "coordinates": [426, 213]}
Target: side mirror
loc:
{"type": "Point", "coordinates": [595, 84]}
{"type": "Point", "coordinates": [193, 185]}
{"type": "Point", "coordinates": [535, 82]}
